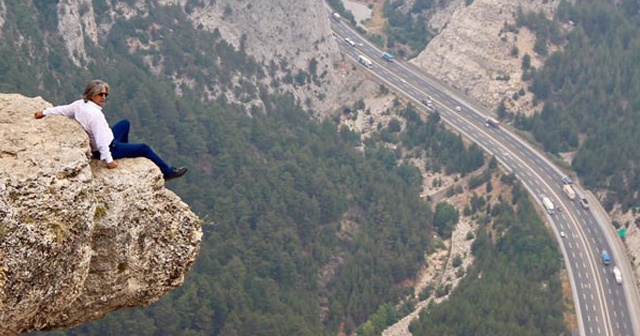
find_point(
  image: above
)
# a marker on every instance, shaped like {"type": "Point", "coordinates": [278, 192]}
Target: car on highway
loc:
{"type": "Point", "coordinates": [567, 180]}
{"type": "Point", "coordinates": [584, 203]}
{"type": "Point", "coordinates": [458, 108]}
{"type": "Point", "coordinates": [562, 234]}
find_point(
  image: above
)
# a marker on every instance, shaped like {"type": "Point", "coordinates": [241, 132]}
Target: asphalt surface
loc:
{"type": "Point", "coordinates": [602, 306]}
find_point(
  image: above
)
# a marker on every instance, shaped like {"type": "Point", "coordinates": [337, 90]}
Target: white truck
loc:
{"type": "Point", "coordinates": [349, 41]}
{"type": "Point", "coordinates": [548, 205]}
{"type": "Point", "coordinates": [617, 275]}
{"type": "Point", "coordinates": [568, 190]}
{"type": "Point", "coordinates": [365, 61]}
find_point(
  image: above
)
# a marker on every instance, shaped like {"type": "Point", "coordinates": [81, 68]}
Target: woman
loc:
{"type": "Point", "coordinates": [107, 144]}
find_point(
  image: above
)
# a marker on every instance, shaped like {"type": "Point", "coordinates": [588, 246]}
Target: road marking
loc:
{"type": "Point", "coordinates": [537, 158]}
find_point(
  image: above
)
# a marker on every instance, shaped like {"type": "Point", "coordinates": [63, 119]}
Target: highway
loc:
{"type": "Point", "coordinates": [602, 306]}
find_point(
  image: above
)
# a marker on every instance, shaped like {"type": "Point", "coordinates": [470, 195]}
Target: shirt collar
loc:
{"type": "Point", "coordinates": [94, 104]}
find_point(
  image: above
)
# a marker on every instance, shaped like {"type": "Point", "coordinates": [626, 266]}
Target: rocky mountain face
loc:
{"type": "Point", "coordinates": [291, 32]}
{"type": "Point", "coordinates": [288, 36]}
{"type": "Point", "coordinates": [78, 240]}
{"type": "Point", "coordinates": [473, 50]}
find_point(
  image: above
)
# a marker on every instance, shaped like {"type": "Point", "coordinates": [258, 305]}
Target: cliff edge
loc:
{"type": "Point", "coordinates": [78, 240]}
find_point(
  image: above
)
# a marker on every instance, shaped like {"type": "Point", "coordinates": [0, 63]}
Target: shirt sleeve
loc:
{"type": "Point", "coordinates": [63, 110]}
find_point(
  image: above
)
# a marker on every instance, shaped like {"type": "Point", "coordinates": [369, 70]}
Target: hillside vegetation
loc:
{"type": "Point", "coordinates": [304, 234]}
{"type": "Point", "coordinates": [589, 91]}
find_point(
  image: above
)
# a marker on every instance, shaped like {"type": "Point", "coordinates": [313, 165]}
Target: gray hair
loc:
{"type": "Point", "coordinates": [93, 88]}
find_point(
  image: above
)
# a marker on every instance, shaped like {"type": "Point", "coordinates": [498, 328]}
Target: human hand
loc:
{"type": "Point", "coordinates": [112, 165]}
{"type": "Point", "coordinates": [38, 114]}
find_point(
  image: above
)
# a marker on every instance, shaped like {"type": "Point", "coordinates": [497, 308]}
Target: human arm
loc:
{"type": "Point", "coordinates": [63, 110]}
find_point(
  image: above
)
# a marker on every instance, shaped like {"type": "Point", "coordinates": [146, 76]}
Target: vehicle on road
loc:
{"type": "Point", "coordinates": [617, 275]}
{"type": "Point", "coordinates": [458, 108]}
{"type": "Point", "coordinates": [584, 203]}
{"type": "Point", "coordinates": [428, 103]}
{"type": "Point", "coordinates": [567, 180]}
{"type": "Point", "coordinates": [551, 209]}
{"type": "Point", "coordinates": [562, 234]}
{"type": "Point", "coordinates": [335, 16]}
{"type": "Point", "coordinates": [568, 190]}
{"type": "Point", "coordinates": [349, 41]}
{"type": "Point", "coordinates": [492, 122]}
{"type": "Point", "coordinates": [365, 61]}
{"type": "Point", "coordinates": [387, 57]}
{"type": "Point", "coordinates": [606, 259]}
{"type": "Point", "coordinates": [582, 199]}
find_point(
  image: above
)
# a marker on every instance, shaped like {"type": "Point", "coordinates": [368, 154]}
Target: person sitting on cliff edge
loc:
{"type": "Point", "coordinates": [107, 144]}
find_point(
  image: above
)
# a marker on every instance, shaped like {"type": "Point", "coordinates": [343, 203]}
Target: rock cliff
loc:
{"type": "Point", "coordinates": [78, 240]}
{"type": "Point", "coordinates": [473, 51]}
{"type": "Point", "coordinates": [288, 36]}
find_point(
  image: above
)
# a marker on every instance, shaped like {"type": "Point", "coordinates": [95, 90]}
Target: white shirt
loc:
{"type": "Point", "coordinates": [92, 120]}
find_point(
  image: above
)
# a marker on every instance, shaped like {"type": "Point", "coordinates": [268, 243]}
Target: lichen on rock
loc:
{"type": "Point", "coordinates": [78, 240]}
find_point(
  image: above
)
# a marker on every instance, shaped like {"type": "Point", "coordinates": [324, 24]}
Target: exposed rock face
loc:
{"type": "Point", "coordinates": [78, 240]}
{"type": "Point", "coordinates": [472, 52]}
{"type": "Point", "coordinates": [293, 34]}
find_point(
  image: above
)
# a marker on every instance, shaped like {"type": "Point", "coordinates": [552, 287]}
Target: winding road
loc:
{"type": "Point", "coordinates": [602, 306]}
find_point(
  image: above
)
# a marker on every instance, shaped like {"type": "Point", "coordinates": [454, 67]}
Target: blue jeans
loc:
{"type": "Point", "coordinates": [121, 148]}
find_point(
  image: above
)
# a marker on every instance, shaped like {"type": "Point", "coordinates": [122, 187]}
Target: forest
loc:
{"type": "Point", "coordinates": [513, 287]}
{"type": "Point", "coordinates": [589, 92]}
{"type": "Point", "coordinates": [286, 198]}
{"type": "Point", "coordinates": [587, 89]}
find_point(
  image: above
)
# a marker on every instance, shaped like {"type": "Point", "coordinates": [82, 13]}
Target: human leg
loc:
{"type": "Point", "coordinates": [127, 150]}
{"type": "Point", "coordinates": [121, 131]}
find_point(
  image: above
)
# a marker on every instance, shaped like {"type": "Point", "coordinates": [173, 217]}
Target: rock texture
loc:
{"type": "Point", "coordinates": [290, 32]}
{"type": "Point", "coordinates": [295, 35]}
{"type": "Point", "coordinates": [472, 51]}
{"type": "Point", "coordinates": [78, 240]}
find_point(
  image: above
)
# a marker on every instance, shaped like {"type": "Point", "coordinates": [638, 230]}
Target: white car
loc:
{"type": "Point", "coordinates": [458, 108]}
{"type": "Point", "coordinates": [562, 234]}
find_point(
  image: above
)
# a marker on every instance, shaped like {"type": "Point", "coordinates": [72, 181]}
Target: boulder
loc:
{"type": "Point", "coordinates": [78, 240]}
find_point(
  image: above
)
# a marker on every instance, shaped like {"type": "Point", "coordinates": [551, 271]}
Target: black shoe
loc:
{"type": "Point", "coordinates": [175, 173]}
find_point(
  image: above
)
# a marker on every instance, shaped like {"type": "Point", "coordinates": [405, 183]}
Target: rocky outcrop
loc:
{"type": "Point", "coordinates": [293, 33]}
{"type": "Point", "coordinates": [473, 51]}
{"type": "Point", "coordinates": [78, 240]}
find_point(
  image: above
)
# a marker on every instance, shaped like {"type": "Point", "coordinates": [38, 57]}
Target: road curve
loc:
{"type": "Point", "coordinates": [602, 306]}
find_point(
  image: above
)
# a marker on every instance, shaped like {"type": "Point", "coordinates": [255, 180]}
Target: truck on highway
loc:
{"type": "Point", "coordinates": [606, 259]}
{"type": "Point", "coordinates": [617, 275]}
{"type": "Point", "coordinates": [491, 122]}
{"type": "Point", "coordinates": [551, 209]}
{"type": "Point", "coordinates": [568, 190]}
{"type": "Point", "coordinates": [365, 61]}
{"type": "Point", "coordinates": [387, 57]}
{"type": "Point", "coordinates": [349, 41]}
